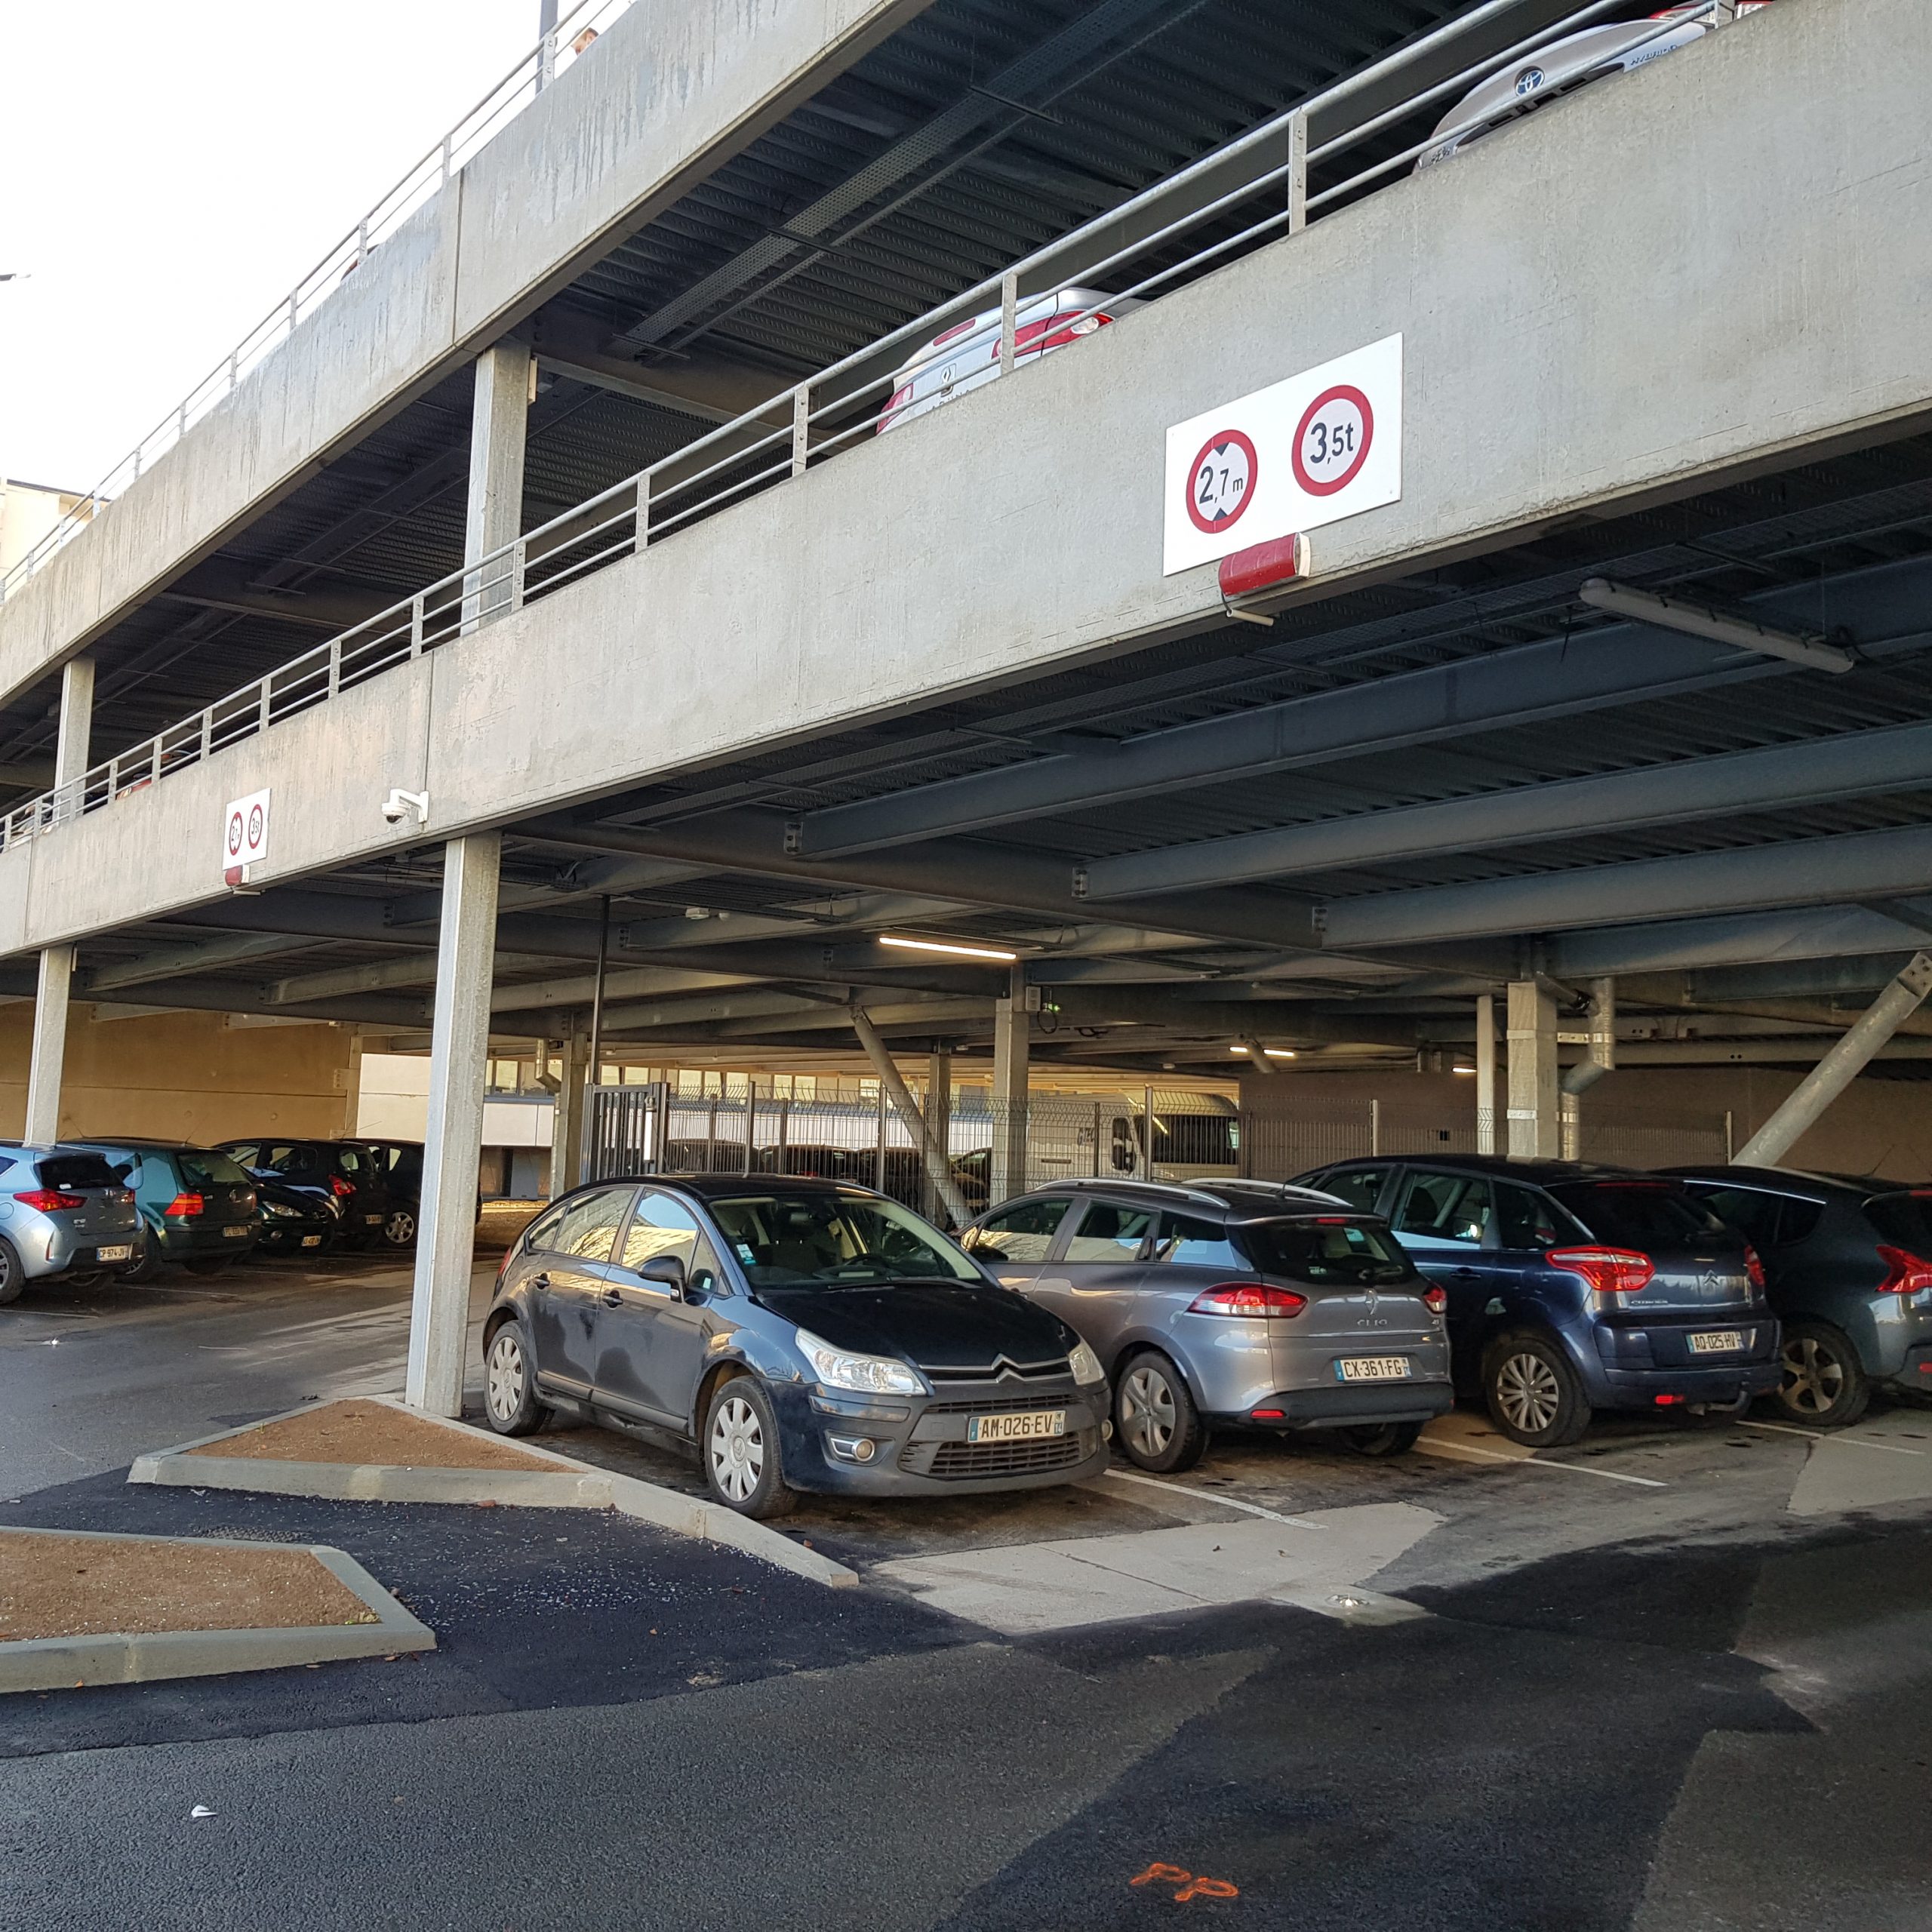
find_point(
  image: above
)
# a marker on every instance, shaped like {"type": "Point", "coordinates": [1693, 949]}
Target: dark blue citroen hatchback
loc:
{"type": "Point", "coordinates": [1574, 1287]}
{"type": "Point", "coordinates": [806, 1335]}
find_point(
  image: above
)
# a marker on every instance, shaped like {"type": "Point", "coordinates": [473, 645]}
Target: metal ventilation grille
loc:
{"type": "Point", "coordinates": [1008, 1459]}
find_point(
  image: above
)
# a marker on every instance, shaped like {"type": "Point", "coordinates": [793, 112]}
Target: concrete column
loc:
{"type": "Point", "coordinates": [567, 1123]}
{"type": "Point", "coordinates": [70, 748]}
{"type": "Point", "coordinates": [1840, 1066]}
{"type": "Point", "coordinates": [1601, 1059]}
{"type": "Point", "coordinates": [459, 1056]}
{"type": "Point", "coordinates": [1486, 1073]}
{"type": "Point", "coordinates": [1012, 1039]}
{"type": "Point", "coordinates": [939, 1118]}
{"type": "Point", "coordinates": [50, 1046]}
{"type": "Point", "coordinates": [499, 422]}
{"type": "Point", "coordinates": [1534, 1132]}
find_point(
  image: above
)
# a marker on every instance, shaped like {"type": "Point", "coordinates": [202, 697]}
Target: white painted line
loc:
{"type": "Point", "coordinates": [1453, 1450]}
{"type": "Point", "coordinates": [1209, 1496]}
{"type": "Point", "coordinates": [1844, 1441]}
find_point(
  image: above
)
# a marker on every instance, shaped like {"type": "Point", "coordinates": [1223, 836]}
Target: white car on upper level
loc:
{"type": "Point", "coordinates": [966, 354]}
{"type": "Point", "coordinates": [1571, 63]}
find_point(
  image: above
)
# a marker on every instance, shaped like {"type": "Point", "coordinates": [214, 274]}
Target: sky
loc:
{"type": "Point", "coordinates": [169, 169]}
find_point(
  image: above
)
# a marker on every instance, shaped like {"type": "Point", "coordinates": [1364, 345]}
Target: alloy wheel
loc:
{"type": "Point", "coordinates": [1147, 1409]}
{"type": "Point", "coordinates": [1528, 1392]}
{"type": "Point", "coordinates": [1814, 1377]}
{"type": "Point", "coordinates": [400, 1228]}
{"type": "Point", "coordinates": [736, 1447]}
{"type": "Point", "coordinates": [505, 1376]}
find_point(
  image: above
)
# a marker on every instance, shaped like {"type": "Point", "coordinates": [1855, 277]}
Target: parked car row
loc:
{"type": "Point", "coordinates": [130, 1207]}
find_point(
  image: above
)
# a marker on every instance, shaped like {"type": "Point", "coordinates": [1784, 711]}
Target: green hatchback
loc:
{"type": "Point", "coordinates": [198, 1206]}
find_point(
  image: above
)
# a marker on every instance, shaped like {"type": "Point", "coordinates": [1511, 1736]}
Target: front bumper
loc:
{"type": "Point", "coordinates": [1366, 1404]}
{"type": "Point", "coordinates": [314, 1235]}
{"type": "Point", "coordinates": [919, 1445]}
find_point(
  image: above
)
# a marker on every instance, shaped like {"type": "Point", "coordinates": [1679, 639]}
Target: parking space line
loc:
{"type": "Point", "coordinates": [1452, 1450]}
{"type": "Point", "coordinates": [1208, 1495]}
{"type": "Point", "coordinates": [1844, 1441]}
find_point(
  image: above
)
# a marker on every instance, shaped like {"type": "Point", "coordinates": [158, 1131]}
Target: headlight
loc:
{"type": "Point", "coordinates": [1085, 1365]}
{"type": "Point", "coordinates": [865, 1375]}
{"type": "Point", "coordinates": [282, 1212]}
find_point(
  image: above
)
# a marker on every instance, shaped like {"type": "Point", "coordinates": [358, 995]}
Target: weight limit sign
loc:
{"type": "Point", "coordinates": [1333, 440]}
{"type": "Point", "coordinates": [1220, 481]}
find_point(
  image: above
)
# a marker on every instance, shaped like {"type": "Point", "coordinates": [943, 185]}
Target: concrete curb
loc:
{"type": "Point", "coordinates": [62, 1663]}
{"type": "Point", "coordinates": [575, 1486]}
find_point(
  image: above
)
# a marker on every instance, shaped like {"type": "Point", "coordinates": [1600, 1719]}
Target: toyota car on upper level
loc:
{"type": "Point", "coordinates": [1573, 1287]}
{"type": "Point", "coordinates": [806, 1335]}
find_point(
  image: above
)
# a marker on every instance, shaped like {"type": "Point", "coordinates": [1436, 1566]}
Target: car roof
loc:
{"type": "Point", "coordinates": [710, 1187]}
{"type": "Point", "coordinates": [1242, 1199]}
{"type": "Point", "coordinates": [1543, 1173]}
{"type": "Point", "coordinates": [1864, 1188]}
{"type": "Point", "coordinates": [146, 1146]}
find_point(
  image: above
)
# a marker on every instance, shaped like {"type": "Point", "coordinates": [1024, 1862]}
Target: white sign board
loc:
{"type": "Point", "coordinates": [1321, 446]}
{"type": "Point", "coordinates": [244, 833]}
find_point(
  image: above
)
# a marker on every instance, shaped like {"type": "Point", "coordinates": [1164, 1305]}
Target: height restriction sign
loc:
{"type": "Point", "coordinates": [1321, 446]}
{"type": "Point", "coordinates": [244, 836]}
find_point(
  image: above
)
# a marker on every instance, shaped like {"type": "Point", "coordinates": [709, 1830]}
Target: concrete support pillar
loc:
{"type": "Point", "coordinates": [938, 1119]}
{"type": "Point", "coordinates": [567, 1123]}
{"type": "Point", "coordinates": [499, 423]}
{"type": "Point", "coordinates": [1012, 1039]}
{"type": "Point", "coordinates": [70, 747]}
{"type": "Point", "coordinates": [1486, 1115]}
{"type": "Point", "coordinates": [892, 1091]}
{"type": "Point", "coordinates": [459, 1057]}
{"type": "Point", "coordinates": [1534, 1133]}
{"type": "Point", "coordinates": [1600, 1059]}
{"type": "Point", "coordinates": [50, 1045]}
{"type": "Point", "coordinates": [1840, 1066]}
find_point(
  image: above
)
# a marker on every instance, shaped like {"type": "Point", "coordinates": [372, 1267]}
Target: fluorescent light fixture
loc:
{"type": "Point", "coordinates": [952, 949]}
{"type": "Point", "coordinates": [1462, 1070]}
{"type": "Point", "coordinates": [1675, 614]}
{"type": "Point", "coordinates": [1270, 1053]}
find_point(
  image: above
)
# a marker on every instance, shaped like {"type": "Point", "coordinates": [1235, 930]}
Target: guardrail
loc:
{"type": "Point", "coordinates": [814, 420]}
{"type": "Point", "coordinates": [532, 73]}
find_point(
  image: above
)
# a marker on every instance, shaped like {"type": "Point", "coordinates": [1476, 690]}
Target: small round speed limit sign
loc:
{"type": "Point", "coordinates": [1220, 481]}
{"type": "Point", "coordinates": [1332, 439]}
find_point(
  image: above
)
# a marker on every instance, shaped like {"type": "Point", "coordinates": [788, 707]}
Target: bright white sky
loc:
{"type": "Point", "coordinates": [169, 168]}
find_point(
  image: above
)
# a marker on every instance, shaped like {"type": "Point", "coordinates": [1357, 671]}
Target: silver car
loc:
{"type": "Point", "coordinates": [1231, 1302]}
{"type": "Point", "coordinates": [64, 1211]}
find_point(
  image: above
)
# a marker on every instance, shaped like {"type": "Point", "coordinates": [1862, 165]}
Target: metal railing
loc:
{"type": "Point", "coordinates": [809, 423]}
{"type": "Point", "coordinates": [507, 98]}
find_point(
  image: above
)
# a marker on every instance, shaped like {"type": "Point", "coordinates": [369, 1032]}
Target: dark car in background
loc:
{"type": "Point", "coordinates": [1573, 1287]}
{"type": "Point", "coordinates": [293, 1222]}
{"type": "Point", "coordinates": [344, 1171]}
{"type": "Point", "coordinates": [400, 1163]}
{"type": "Point", "coordinates": [1230, 1302]}
{"type": "Point", "coordinates": [805, 1334]}
{"type": "Point", "coordinates": [1848, 1268]}
{"type": "Point", "coordinates": [198, 1205]}
{"type": "Point", "coordinates": [64, 1211]}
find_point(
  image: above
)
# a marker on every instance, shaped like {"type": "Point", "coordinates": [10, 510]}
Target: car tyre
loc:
{"type": "Point", "coordinates": [147, 1269]}
{"type": "Point", "coordinates": [12, 1276]}
{"type": "Point", "coordinates": [1825, 1385]}
{"type": "Point", "coordinates": [399, 1230]}
{"type": "Point", "coordinates": [743, 1468]}
{"type": "Point", "coordinates": [1386, 1438]}
{"type": "Point", "coordinates": [509, 1383]}
{"type": "Point", "coordinates": [1535, 1397]}
{"type": "Point", "coordinates": [1155, 1422]}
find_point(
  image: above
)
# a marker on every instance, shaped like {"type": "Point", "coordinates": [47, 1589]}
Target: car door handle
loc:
{"type": "Point", "coordinates": [610, 1298]}
{"type": "Point", "coordinates": [1468, 1274]}
{"type": "Point", "coordinates": [539, 1282]}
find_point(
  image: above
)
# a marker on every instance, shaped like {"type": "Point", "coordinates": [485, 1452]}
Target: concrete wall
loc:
{"type": "Point", "coordinates": [1876, 1127]}
{"type": "Point", "coordinates": [1708, 264]}
{"type": "Point", "coordinates": [197, 1077]}
{"type": "Point", "coordinates": [664, 95]}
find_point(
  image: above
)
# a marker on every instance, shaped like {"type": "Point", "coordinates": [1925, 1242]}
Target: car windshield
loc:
{"type": "Point", "coordinates": [836, 1240]}
{"type": "Point", "coordinates": [1325, 1248]}
{"type": "Point", "coordinates": [1638, 1214]}
{"type": "Point", "coordinates": [209, 1170]}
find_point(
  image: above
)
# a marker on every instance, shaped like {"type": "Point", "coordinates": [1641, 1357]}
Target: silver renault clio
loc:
{"type": "Point", "coordinates": [1236, 1303]}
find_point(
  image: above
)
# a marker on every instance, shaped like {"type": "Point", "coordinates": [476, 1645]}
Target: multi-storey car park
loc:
{"type": "Point", "coordinates": [543, 566]}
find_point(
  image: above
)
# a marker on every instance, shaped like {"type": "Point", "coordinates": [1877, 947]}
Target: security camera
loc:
{"type": "Point", "coordinates": [400, 805]}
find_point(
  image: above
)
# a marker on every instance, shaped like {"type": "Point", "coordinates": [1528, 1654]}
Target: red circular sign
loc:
{"type": "Point", "coordinates": [1332, 439]}
{"type": "Point", "coordinates": [234, 834]}
{"type": "Point", "coordinates": [1220, 481]}
{"type": "Point", "coordinates": [255, 826]}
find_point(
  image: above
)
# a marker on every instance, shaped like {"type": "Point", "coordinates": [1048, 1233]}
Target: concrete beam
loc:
{"type": "Point", "coordinates": [167, 962]}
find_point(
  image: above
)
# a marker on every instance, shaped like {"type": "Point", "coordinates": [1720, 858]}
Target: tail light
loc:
{"type": "Point", "coordinates": [1754, 1269]}
{"type": "Point", "coordinates": [1606, 1271]}
{"type": "Point", "coordinates": [339, 1187]}
{"type": "Point", "coordinates": [1437, 1297]}
{"type": "Point", "coordinates": [48, 1200]}
{"type": "Point", "coordinates": [185, 1205]}
{"type": "Point", "coordinates": [894, 403]}
{"type": "Point", "coordinates": [1906, 1273]}
{"type": "Point", "coordinates": [1053, 332]}
{"type": "Point", "coordinates": [1248, 1298]}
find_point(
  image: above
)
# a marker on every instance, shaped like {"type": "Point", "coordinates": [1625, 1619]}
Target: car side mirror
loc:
{"type": "Point", "coordinates": [667, 1270]}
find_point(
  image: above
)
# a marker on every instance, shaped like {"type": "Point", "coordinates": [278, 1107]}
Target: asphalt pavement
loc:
{"type": "Point", "coordinates": [1694, 1702]}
